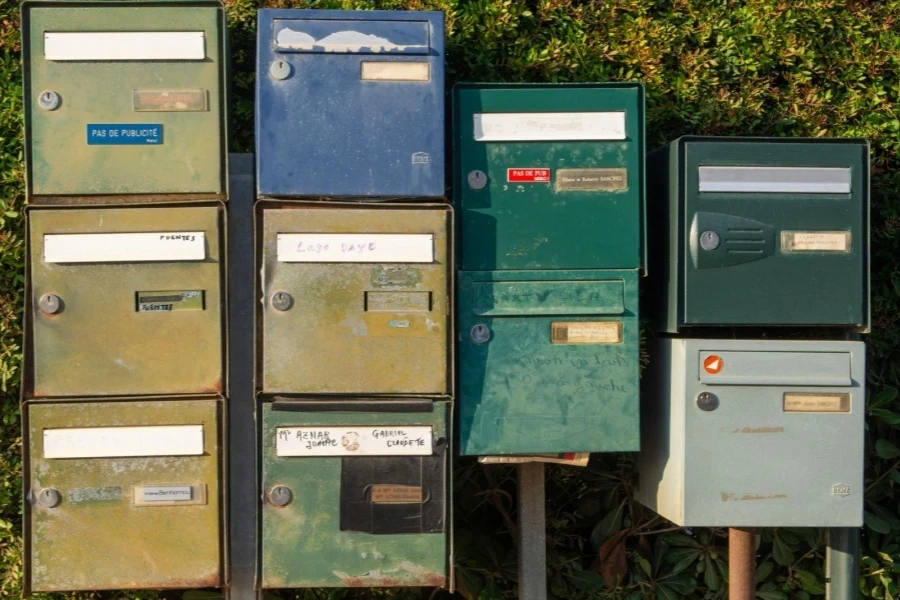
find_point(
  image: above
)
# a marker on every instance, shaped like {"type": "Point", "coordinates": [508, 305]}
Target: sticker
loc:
{"type": "Point", "coordinates": [101, 494]}
{"type": "Point", "coordinates": [815, 241]}
{"type": "Point", "coordinates": [169, 301]}
{"type": "Point", "coordinates": [125, 45]}
{"type": "Point", "coordinates": [421, 158]}
{"type": "Point", "coordinates": [124, 247]}
{"type": "Point", "coordinates": [170, 100]}
{"type": "Point", "coordinates": [356, 247]}
{"type": "Point", "coordinates": [395, 71]}
{"type": "Point", "coordinates": [106, 442]}
{"type": "Point", "coordinates": [585, 332]}
{"type": "Point", "coordinates": [354, 441]}
{"type": "Point", "coordinates": [398, 302]}
{"type": "Point", "coordinates": [785, 180]}
{"type": "Point", "coordinates": [169, 495]}
{"type": "Point", "coordinates": [138, 134]}
{"type": "Point", "coordinates": [569, 126]}
{"type": "Point", "coordinates": [840, 489]}
{"type": "Point", "coordinates": [395, 277]}
{"type": "Point", "coordinates": [591, 180]}
{"type": "Point", "coordinates": [812, 402]}
{"type": "Point", "coordinates": [395, 494]}
{"type": "Point", "coordinates": [528, 175]}
{"type": "Point", "coordinates": [713, 364]}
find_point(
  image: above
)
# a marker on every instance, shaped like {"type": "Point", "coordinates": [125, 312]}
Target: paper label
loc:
{"type": "Point", "coordinates": [591, 180]}
{"type": "Point", "coordinates": [170, 301]}
{"type": "Point", "coordinates": [586, 332]}
{"type": "Point", "coordinates": [395, 71]}
{"type": "Point", "coordinates": [568, 126]}
{"type": "Point", "coordinates": [354, 441]}
{"type": "Point", "coordinates": [815, 241]}
{"type": "Point", "coordinates": [170, 100]}
{"type": "Point", "coordinates": [124, 247]}
{"type": "Point", "coordinates": [395, 494]}
{"type": "Point", "coordinates": [800, 402]}
{"type": "Point", "coordinates": [124, 45]}
{"type": "Point", "coordinates": [138, 134]}
{"type": "Point", "coordinates": [107, 442]}
{"type": "Point", "coordinates": [356, 247]}
{"type": "Point", "coordinates": [528, 175]}
{"type": "Point", "coordinates": [774, 180]}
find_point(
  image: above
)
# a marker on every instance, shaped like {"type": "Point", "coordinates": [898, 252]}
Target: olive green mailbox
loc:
{"type": "Point", "coordinates": [760, 232]}
{"type": "Point", "coordinates": [124, 99]}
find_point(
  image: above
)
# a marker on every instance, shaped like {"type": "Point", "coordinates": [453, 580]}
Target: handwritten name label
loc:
{"type": "Point", "coordinates": [354, 441]}
{"type": "Point", "coordinates": [124, 247]}
{"type": "Point", "coordinates": [356, 247]}
{"type": "Point", "coordinates": [815, 241]}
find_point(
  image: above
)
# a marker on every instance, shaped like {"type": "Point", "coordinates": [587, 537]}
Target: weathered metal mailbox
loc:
{"type": "Point", "coordinates": [760, 232]}
{"type": "Point", "coordinates": [358, 96]}
{"type": "Point", "coordinates": [754, 433]}
{"type": "Point", "coordinates": [123, 495]}
{"type": "Point", "coordinates": [355, 298]}
{"type": "Point", "coordinates": [124, 98]}
{"type": "Point", "coordinates": [355, 493]}
{"type": "Point", "coordinates": [125, 301]}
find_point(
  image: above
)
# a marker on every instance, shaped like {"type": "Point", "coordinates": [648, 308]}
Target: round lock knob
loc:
{"type": "Point", "coordinates": [481, 334]}
{"type": "Point", "coordinates": [709, 240]}
{"type": "Point", "coordinates": [50, 304]}
{"type": "Point", "coordinates": [282, 301]}
{"type": "Point", "coordinates": [707, 401]}
{"type": "Point", "coordinates": [280, 70]}
{"type": "Point", "coordinates": [49, 497]}
{"type": "Point", "coordinates": [477, 180]}
{"type": "Point", "coordinates": [48, 100]}
{"type": "Point", "coordinates": [280, 495]}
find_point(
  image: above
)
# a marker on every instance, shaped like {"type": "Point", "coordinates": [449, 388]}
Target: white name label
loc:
{"type": "Point", "coordinates": [125, 45]}
{"type": "Point", "coordinates": [815, 241]}
{"type": "Point", "coordinates": [395, 71]}
{"type": "Point", "coordinates": [106, 442]}
{"type": "Point", "coordinates": [511, 127]}
{"type": "Point", "coordinates": [354, 441]}
{"type": "Point", "coordinates": [786, 180]}
{"type": "Point", "coordinates": [124, 247]}
{"type": "Point", "coordinates": [356, 247]}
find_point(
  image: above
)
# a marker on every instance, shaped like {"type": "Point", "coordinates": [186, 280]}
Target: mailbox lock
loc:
{"type": "Point", "coordinates": [49, 304]}
{"type": "Point", "coordinates": [280, 495]}
{"type": "Point", "coordinates": [481, 334]}
{"type": "Point", "coordinates": [707, 401]}
{"type": "Point", "coordinates": [709, 240]}
{"type": "Point", "coordinates": [477, 180]}
{"type": "Point", "coordinates": [280, 70]}
{"type": "Point", "coordinates": [282, 301]}
{"type": "Point", "coordinates": [49, 497]}
{"type": "Point", "coordinates": [48, 100]}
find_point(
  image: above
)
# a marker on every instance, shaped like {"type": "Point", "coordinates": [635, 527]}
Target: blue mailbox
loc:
{"type": "Point", "coordinates": [350, 103]}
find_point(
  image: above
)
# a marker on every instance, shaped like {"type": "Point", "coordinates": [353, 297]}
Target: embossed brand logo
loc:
{"type": "Point", "coordinates": [840, 490]}
{"type": "Point", "coordinates": [421, 158]}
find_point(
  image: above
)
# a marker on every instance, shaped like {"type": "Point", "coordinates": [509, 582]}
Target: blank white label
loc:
{"type": "Point", "coordinates": [511, 127]}
{"type": "Point", "coordinates": [124, 247]}
{"type": "Point", "coordinates": [356, 247]}
{"type": "Point", "coordinates": [785, 180]}
{"type": "Point", "coordinates": [395, 71]}
{"type": "Point", "coordinates": [815, 241]}
{"type": "Point", "coordinates": [125, 45]}
{"type": "Point", "coordinates": [354, 441]}
{"type": "Point", "coordinates": [105, 442]}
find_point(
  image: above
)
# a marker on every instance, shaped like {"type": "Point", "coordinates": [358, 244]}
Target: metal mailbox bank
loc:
{"type": "Point", "coordinates": [359, 95]}
{"type": "Point", "coordinates": [549, 184]}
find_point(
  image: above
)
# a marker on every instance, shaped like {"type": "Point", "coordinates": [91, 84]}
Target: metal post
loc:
{"type": "Point", "coordinates": [741, 563]}
{"type": "Point", "coordinates": [842, 564]}
{"type": "Point", "coordinates": [532, 533]}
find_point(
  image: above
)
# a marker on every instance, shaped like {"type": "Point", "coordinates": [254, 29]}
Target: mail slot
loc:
{"type": "Point", "coordinates": [550, 176]}
{"type": "Point", "coordinates": [760, 232]}
{"type": "Point", "coordinates": [355, 493]}
{"type": "Point", "coordinates": [355, 299]}
{"type": "Point", "coordinates": [359, 95]}
{"type": "Point", "coordinates": [125, 301]}
{"type": "Point", "coordinates": [124, 99]}
{"type": "Point", "coordinates": [754, 433]}
{"type": "Point", "coordinates": [548, 361]}
{"type": "Point", "coordinates": [123, 495]}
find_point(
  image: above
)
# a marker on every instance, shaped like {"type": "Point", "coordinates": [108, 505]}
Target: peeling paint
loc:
{"type": "Point", "coordinates": [759, 430]}
{"type": "Point", "coordinates": [729, 497]}
{"type": "Point", "coordinates": [339, 41]}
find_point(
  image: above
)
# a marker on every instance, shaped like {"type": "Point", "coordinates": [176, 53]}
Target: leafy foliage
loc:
{"type": "Point", "coordinates": [752, 67]}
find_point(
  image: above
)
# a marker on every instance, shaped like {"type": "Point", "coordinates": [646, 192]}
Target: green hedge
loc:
{"type": "Point", "coordinates": [753, 67]}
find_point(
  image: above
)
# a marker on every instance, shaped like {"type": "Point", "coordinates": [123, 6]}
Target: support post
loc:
{"type": "Point", "coordinates": [842, 564]}
{"type": "Point", "coordinates": [741, 563]}
{"type": "Point", "coordinates": [532, 532]}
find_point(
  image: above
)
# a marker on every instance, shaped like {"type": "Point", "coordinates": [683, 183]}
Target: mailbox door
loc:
{"type": "Point", "coordinates": [137, 498]}
{"type": "Point", "coordinates": [364, 300]}
{"type": "Point", "coordinates": [548, 362]}
{"type": "Point", "coordinates": [363, 494]}
{"type": "Point", "coordinates": [360, 94]}
{"type": "Point", "coordinates": [138, 309]}
{"type": "Point", "coordinates": [776, 233]}
{"type": "Point", "coordinates": [140, 105]}
{"type": "Point", "coordinates": [550, 176]}
{"type": "Point", "coordinates": [784, 446]}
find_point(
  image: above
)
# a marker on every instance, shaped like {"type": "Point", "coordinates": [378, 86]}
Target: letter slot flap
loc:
{"type": "Point", "coordinates": [351, 37]}
{"type": "Point", "coordinates": [523, 298]}
{"type": "Point", "coordinates": [820, 369]}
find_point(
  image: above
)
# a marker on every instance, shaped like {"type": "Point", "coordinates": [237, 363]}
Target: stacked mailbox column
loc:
{"type": "Point", "coordinates": [768, 236]}
{"type": "Point", "coordinates": [549, 184]}
{"type": "Point", "coordinates": [124, 377]}
{"type": "Point", "coordinates": [354, 324]}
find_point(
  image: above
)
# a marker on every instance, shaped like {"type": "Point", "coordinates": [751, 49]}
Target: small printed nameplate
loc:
{"type": "Point", "coordinates": [585, 332]}
{"type": "Point", "coordinates": [395, 494]}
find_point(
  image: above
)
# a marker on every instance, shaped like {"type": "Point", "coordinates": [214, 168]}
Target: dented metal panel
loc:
{"type": "Point", "coordinates": [139, 313]}
{"type": "Point", "coordinates": [141, 521]}
{"type": "Point", "coordinates": [334, 321]}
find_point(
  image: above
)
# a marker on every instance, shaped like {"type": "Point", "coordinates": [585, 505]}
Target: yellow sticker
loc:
{"type": "Point", "coordinates": [815, 241]}
{"type": "Point", "coordinates": [586, 332]}
{"type": "Point", "coordinates": [810, 402]}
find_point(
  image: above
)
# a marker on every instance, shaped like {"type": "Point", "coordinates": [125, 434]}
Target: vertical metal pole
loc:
{"type": "Point", "coordinates": [842, 564]}
{"type": "Point", "coordinates": [741, 563]}
{"type": "Point", "coordinates": [532, 532]}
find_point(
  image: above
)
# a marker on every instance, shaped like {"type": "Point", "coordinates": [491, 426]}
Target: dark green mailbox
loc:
{"type": "Point", "coordinates": [760, 232]}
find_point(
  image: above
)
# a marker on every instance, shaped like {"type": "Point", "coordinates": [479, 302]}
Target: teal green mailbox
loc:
{"type": "Point", "coordinates": [760, 232]}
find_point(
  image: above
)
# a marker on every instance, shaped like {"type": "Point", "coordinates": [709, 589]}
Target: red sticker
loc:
{"type": "Point", "coordinates": [713, 364]}
{"type": "Point", "coordinates": [528, 175]}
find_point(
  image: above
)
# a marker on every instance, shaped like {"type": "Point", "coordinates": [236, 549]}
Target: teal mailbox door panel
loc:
{"type": "Point", "coordinates": [548, 362]}
{"type": "Point", "coordinates": [539, 167]}
{"type": "Point", "coordinates": [355, 493]}
{"type": "Point", "coordinates": [776, 232]}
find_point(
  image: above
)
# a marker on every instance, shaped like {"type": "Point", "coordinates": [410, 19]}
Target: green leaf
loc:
{"type": "Point", "coordinates": [874, 523]}
{"type": "Point", "coordinates": [609, 525]}
{"type": "Point", "coordinates": [888, 394]}
{"type": "Point", "coordinates": [886, 450]}
{"type": "Point", "coordinates": [810, 582]}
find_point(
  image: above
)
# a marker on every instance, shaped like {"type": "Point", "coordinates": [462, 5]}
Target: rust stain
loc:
{"type": "Point", "coordinates": [734, 497]}
{"type": "Point", "coordinates": [215, 388]}
{"type": "Point", "coordinates": [423, 579]}
{"type": "Point", "coordinates": [759, 430]}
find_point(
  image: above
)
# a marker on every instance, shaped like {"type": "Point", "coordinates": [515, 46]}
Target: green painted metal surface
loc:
{"type": "Point", "coordinates": [586, 214]}
{"type": "Point", "coordinates": [556, 375]}
{"type": "Point", "coordinates": [353, 326]}
{"type": "Point", "coordinates": [303, 544]}
{"type": "Point", "coordinates": [189, 155]}
{"type": "Point", "coordinates": [104, 340]}
{"type": "Point", "coordinates": [98, 537]}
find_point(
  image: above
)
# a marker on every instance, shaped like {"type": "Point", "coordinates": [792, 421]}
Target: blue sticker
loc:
{"type": "Point", "coordinates": [140, 134]}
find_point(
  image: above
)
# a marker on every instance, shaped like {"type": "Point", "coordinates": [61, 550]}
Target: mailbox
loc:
{"type": "Point", "coordinates": [355, 298]}
{"type": "Point", "coordinates": [754, 433]}
{"type": "Point", "coordinates": [123, 495]}
{"type": "Point", "coordinates": [549, 361]}
{"type": "Point", "coordinates": [550, 176]}
{"type": "Point", "coordinates": [350, 103]}
{"type": "Point", "coordinates": [125, 301]}
{"type": "Point", "coordinates": [760, 232]}
{"type": "Point", "coordinates": [355, 493]}
{"type": "Point", "coordinates": [124, 98]}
